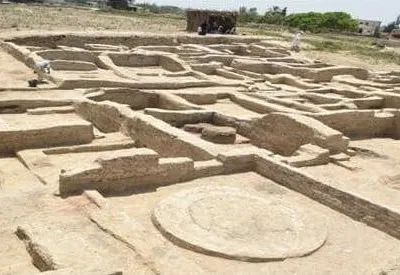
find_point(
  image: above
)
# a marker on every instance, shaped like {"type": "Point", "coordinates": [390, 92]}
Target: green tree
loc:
{"type": "Point", "coordinates": [338, 21]}
{"type": "Point", "coordinates": [119, 4]}
{"type": "Point", "coordinates": [311, 21]}
{"type": "Point", "coordinates": [274, 15]}
{"type": "Point", "coordinates": [317, 22]}
{"type": "Point", "coordinates": [248, 15]}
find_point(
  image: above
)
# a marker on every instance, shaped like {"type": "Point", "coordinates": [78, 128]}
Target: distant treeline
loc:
{"type": "Point", "coordinates": [310, 21]}
{"type": "Point", "coordinates": [161, 9]}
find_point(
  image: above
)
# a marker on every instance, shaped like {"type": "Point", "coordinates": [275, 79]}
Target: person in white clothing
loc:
{"type": "Point", "coordinates": [296, 42]}
{"type": "Point", "coordinates": [42, 69]}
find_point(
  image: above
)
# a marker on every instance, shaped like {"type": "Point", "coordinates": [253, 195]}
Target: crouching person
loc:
{"type": "Point", "coordinates": [42, 69]}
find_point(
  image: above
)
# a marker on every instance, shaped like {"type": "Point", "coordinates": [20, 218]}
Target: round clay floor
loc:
{"type": "Point", "coordinates": [239, 224]}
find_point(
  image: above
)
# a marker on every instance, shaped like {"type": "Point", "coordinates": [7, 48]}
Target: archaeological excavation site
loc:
{"type": "Point", "coordinates": [181, 154]}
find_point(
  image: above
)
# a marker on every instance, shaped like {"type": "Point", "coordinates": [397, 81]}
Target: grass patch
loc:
{"type": "Point", "coordinates": [244, 29]}
{"type": "Point", "coordinates": [324, 45]}
{"type": "Point", "coordinates": [41, 17]}
{"type": "Point", "coordinates": [142, 14]}
{"type": "Point", "coordinates": [359, 47]}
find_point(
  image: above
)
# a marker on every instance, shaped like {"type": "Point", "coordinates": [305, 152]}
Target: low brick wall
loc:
{"type": "Point", "coordinates": [351, 205]}
{"type": "Point", "coordinates": [79, 39]}
{"type": "Point", "coordinates": [366, 123]}
{"type": "Point", "coordinates": [126, 170]}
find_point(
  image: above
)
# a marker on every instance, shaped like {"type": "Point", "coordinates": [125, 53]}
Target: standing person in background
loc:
{"type": "Point", "coordinates": [203, 28]}
{"type": "Point", "coordinates": [296, 42]}
{"type": "Point", "coordinates": [214, 27]}
{"type": "Point", "coordinates": [231, 31]}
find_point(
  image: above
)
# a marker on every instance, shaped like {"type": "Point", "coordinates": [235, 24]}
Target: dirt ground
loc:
{"type": "Point", "coordinates": [338, 58]}
{"type": "Point", "coordinates": [30, 19]}
{"type": "Point", "coordinates": [345, 237]}
{"type": "Point", "coordinates": [21, 17]}
{"type": "Point", "coordinates": [97, 233]}
{"type": "Point", "coordinates": [347, 59]}
{"type": "Point", "coordinates": [374, 172]}
{"type": "Point", "coordinates": [15, 74]}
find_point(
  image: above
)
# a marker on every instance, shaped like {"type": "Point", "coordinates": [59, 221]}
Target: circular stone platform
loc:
{"type": "Point", "coordinates": [239, 224]}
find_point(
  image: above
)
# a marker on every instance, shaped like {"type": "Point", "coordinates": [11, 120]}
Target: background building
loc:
{"type": "Point", "coordinates": [369, 27]}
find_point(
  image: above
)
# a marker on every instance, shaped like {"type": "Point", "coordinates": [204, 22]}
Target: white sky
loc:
{"type": "Point", "coordinates": [382, 10]}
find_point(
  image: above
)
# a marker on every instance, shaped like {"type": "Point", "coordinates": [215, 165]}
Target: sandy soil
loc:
{"type": "Point", "coordinates": [340, 58]}
{"type": "Point", "coordinates": [21, 17]}
{"type": "Point", "coordinates": [226, 106]}
{"type": "Point", "coordinates": [25, 200]}
{"type": "Point", "coordinates": [74, 240]}
{"type": "Point", "coordinates": [374, 172]}
{"type": "Point", "coordinates": [345, 252]}
{"type": "Point", "coordinates": [13, 74]}
{"type": "Point", "coordinates": [346, 59]}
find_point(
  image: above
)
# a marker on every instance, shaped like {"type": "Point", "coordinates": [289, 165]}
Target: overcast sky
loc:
{"type": "Point", "coordinates": [382, 10]}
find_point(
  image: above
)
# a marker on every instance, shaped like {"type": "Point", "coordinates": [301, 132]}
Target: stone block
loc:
{"type": "Point", "coordinates": [174, 102]}
{"type": "Point", "coordinates": [208, 168]}
{"type": "Point", "coordinates": [126, 170]}
{"type": "Point", "coordinates": [195, 128]}
{"type": "Point", "coordinates": [170, 141]}
{"type": "Point", "coordinates": [18, 132]}
{"type": "Point", "coordinates": [180, 118]}
{"type": "Point", "coordinates": [51, 110]}
{"type": "Point", "coordinates": [239, 160]}
{"type": "Point", "coordinates": [106, 116]}
{"type": "Point", "coordinates": [285, 133]}
{"type": "Point", "coordinates": [309, 155]}
{"type": "Point", "coordinates": [219, 134]}
{"type": "Point", "coordinates": [365, 123]}
{"type": "Point", "coordinates": [339, 157]}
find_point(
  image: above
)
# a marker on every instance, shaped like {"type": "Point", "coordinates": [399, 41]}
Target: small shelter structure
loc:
{"type": "Point", "coordinates": [122, 4]}
{"type": "Point", "coordinates": [226, 19]}
{"type": "Point", "coordinates": [369, 27]}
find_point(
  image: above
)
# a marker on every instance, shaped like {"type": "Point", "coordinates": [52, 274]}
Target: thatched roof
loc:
{"type": "Point", "coordinates": [211, 12]}
{"type": "Point", "coordinates": [196, 17]}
